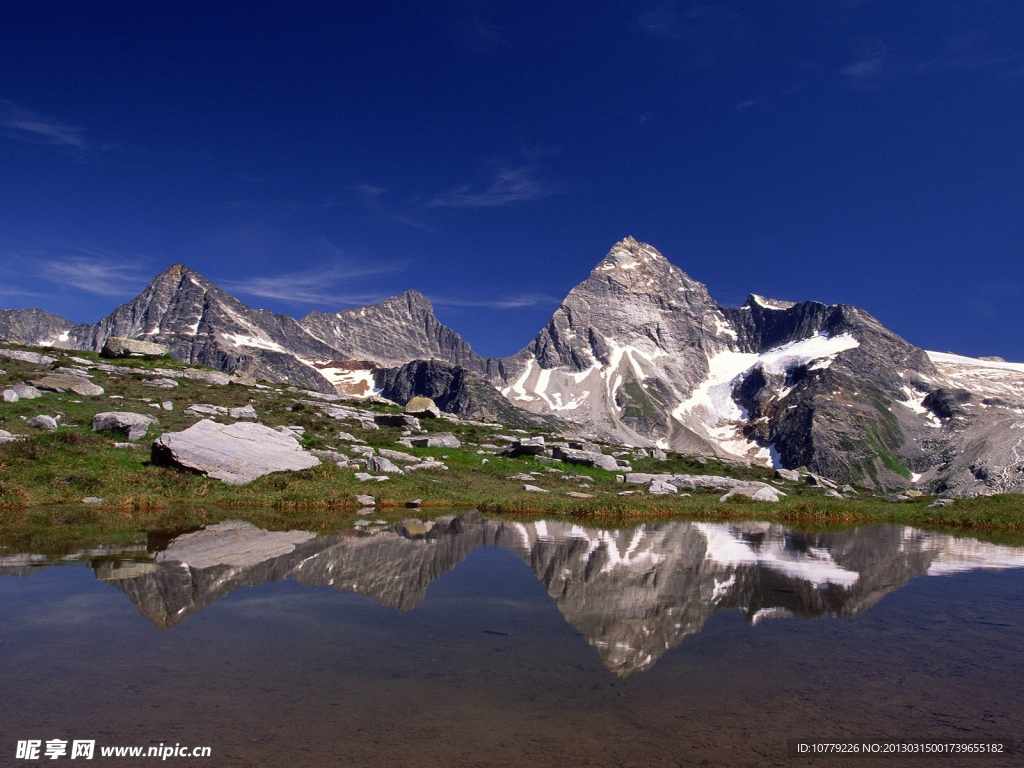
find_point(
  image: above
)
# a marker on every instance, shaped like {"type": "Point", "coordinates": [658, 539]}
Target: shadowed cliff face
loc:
{"type": "Point", "coordinates": [633, 593]}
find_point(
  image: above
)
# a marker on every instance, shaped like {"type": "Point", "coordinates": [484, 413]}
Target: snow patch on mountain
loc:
{"type": "Point", "coordinates": [242, 340]}
{"type": "Point", "coordinates": [712, 402]}
{"type": "Point", "coordinates": [994, 378]}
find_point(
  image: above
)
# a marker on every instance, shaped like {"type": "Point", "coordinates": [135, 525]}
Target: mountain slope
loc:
{"type": "Point", "coordinates": [32, 326]}
{"type": "Point", "coordinates": [638, 353]}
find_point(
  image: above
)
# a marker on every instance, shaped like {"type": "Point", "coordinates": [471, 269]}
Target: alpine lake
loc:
{"type": "Point", "coordinates": [478, 641]}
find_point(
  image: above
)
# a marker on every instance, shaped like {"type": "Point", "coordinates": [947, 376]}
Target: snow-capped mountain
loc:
{"type": "Point", "coordinates": [638, 353]}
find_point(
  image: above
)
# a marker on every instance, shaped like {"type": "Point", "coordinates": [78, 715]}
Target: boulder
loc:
{"type": "Point", "coordinates": [788, 474]}
{"type": "Point", "coordinates": [611, 464]}
{"type": "Point", "coordinates": [575, 455]}
{"type": "Point", "coordinates": [63, 382]}
{"type": "Point", "coordinates": [428, 463]}
{"type": "Point", "coordinates": [205, 409]}
{"type": "Point", "coordinates": [209, 377]}
{"type": "Point", "coordinates": [423, 407]}
{"type": "Point", "coordinates": [436, 440]}
{"type": "Point", "coordinates": [235, 453]}
{"type": "Point", "coordinates": [819, 481]}
{"type": "Point", "coordinates": [27, 357]}
{"type": "Point", "coordinates": [387, 453]}
{"type": "Point", "coordinates": [366, 501]}
{"type": "Point", "coordinates": [131, 426]}
{"type": "Point", "coordinates": [6, 437]}
{"type": "Point", "coordinates": [161, 383]}
{"type": "Point", "coordinates": [346, 437]}
{"type": "Point", "coordinates": [118, 347]}
{"type": "Point", "coordinates": [245, 412]}
{"type": "Point", "coordinates": [43, 422]}
{"type": "Point", "coordinates": [527, 446]}
{"type": "Point", "coordinates": [758, 492]}
{"type": "Point", "coordinates": [643, 478]}
{"type": "Point", "coordinates": [400, 420]}
{"type": "Point", "coordinates": [661, 488]}
{"type": "Point", "coordinates": [380, 464]}
{"type": "Point", "coordinates": [26, 391]}
{"type": "Point", "coordinates": [585, 445]}
{"type": "Point", "coordinates": [10, 396]}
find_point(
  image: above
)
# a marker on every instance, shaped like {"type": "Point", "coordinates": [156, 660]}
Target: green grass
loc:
{"type": "Point", "coordinates": [44, 476]}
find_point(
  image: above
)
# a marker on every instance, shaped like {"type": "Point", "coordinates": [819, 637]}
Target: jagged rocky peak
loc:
{"type": "Point", "coordinates": [762, 302]}
{"type": "Point", "coordinates": [641, 268]}
{"type": "Point", "coordinates": [393, 332]}
{"type": "Point", "coordinates": [33, 327]}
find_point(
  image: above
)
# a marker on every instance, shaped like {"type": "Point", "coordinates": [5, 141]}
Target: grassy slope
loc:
{"type": "Point", "coordinates": [40, 475]}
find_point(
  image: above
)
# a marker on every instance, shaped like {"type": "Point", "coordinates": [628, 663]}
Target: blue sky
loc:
{"type": "Point", "coordinates": [310, 155]}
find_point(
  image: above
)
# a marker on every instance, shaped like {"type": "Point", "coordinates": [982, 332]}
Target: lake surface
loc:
{"type": "Point", "coordinates": [480, 642]}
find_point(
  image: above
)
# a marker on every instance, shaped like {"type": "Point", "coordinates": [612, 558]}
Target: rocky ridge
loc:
{"type": "Point", "coordinates": [639, 354]}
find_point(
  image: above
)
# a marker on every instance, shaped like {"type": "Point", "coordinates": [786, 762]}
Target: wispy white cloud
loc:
{"type": "Point", "coordinates": [373, 198]}
{"type": "Point", "coordinates": [747, 104]}
{"type": "Point", "coordinates": [514, 301]}
{"type": "Point", "coordinates": [101, 276]}
{"type": "Point", "coordinates": [507, 186]}
{"type": "Point", "coordinates": [872, 68]}
{"type": "Point", "coordinates": [709, 29]}
{"type": "Point", "coordinates": [330, 285]}
{"type": "Point", "coordinates": [876, 67]}
{"type": "Point", "coordinates": [21, 124]}
{"type": "Point", "coordinates": [43, 266]}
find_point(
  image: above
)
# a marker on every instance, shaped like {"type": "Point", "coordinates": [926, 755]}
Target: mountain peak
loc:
{"type": "Point", "coordinates": [630, 254]}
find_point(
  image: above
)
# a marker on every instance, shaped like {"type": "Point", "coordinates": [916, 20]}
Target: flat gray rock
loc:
{"type": "Point", "coordinates": [407, 458]}
{"type": "Point", "coordinates": [205, 409]}
{"type": "Point", "coordinates": [245, 412]}
{"type": "Point", "coordinates": [235, 453]}
{"type": "Point", "coordinates": [437, 440]}
{"type": "Point", "coordinates": [380, 464]}
{"type": "Point", "coordinates": [661, 488]}
{"type": "Point", "coordinates": [400, 420]}
{"type": "Point", "coordinates": [423, 407]}
{"type": "Point", "coordinates": [210, 377]}
{"type": "Point", "coordinates": [6, 437]}
{"type": "Point", "coordinates": [534, 488]}
{"type": "Point", "coordinates": [117, 347]}
{"type": "Point", "coordinates": [63, 382]}
{"type": "Point", "coordinates": [527, 446]}
{"type": "Point", "coordinates": [43, 422]}
{"type": "Point", "coordinates": [131, 426]}
{"type": "Point", "coordinates": [27, 357]}
{"type": "Point", "coordinates": [163, 383]}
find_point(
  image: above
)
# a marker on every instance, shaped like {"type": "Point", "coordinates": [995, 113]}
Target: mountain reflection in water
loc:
{"type": "Point", "coordinates": [632, 593]}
